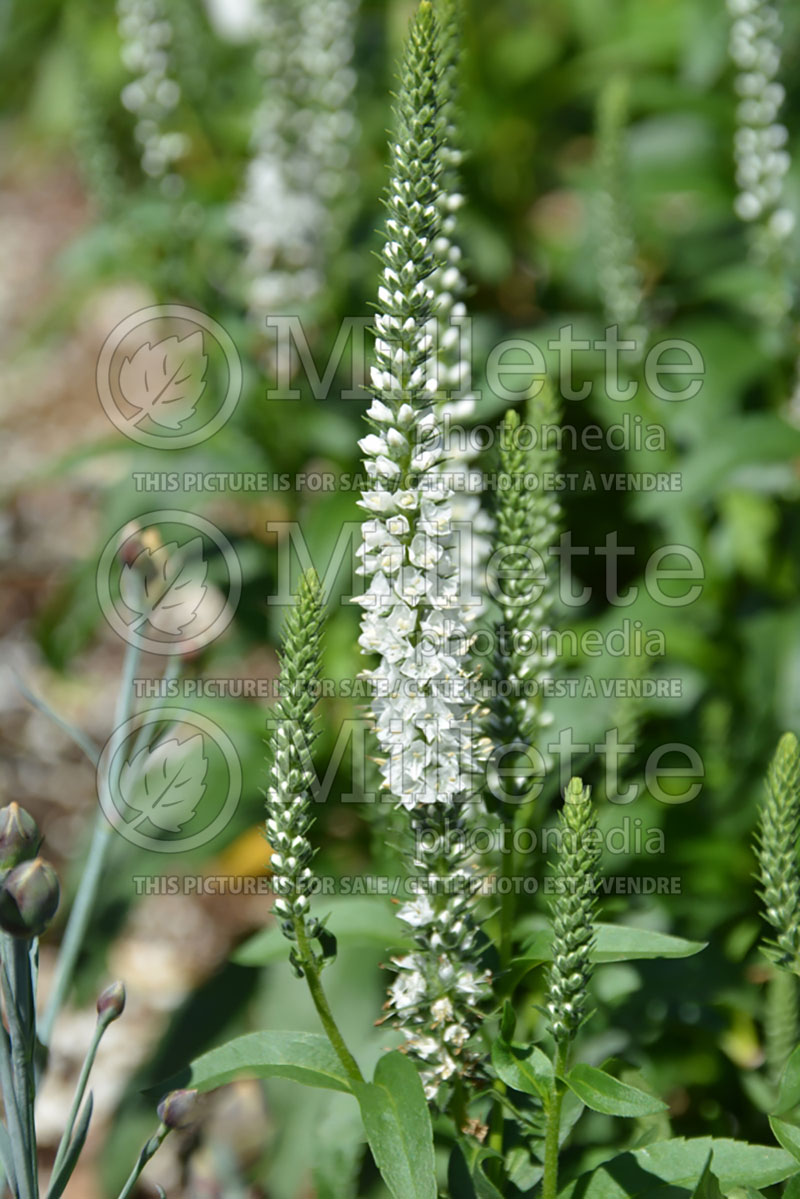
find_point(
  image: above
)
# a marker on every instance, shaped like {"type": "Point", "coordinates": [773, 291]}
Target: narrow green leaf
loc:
{"type": "Point", "coordinates": [58, 1184]}
{"type": "Point", "coordinates": [615, 943]}
{"type": "Point", "coordinates": [303, 1056]}
{"type": "Point", "coordinates": [789, 1090]}
{"type": "Point", "coordinates": [602, 1093]}
{"type": "Point", "coordinates": [398, 1127]}
{"type": "Point", "coordinates": [524, 1067]}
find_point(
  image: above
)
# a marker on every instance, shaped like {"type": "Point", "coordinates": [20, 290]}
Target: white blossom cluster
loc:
{"type": "Point", "coordinates": [152, 95]}
{"type": "Point", "coordinates": [762, 160]}
{"type": "Point", "coordinates": [303, 133]}
{"type": "Point", "coordinates": [413, 610]}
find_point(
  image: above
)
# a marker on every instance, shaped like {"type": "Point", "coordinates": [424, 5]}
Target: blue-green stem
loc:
{"type": "Point", "coordinates": [80, 1090]}
{"type": "Point", "coordinates": [15, 979]}
{"type": "Point", "coordinates": [19, 1153]}
{"type": "Point", "coordinates": [147, 1151]}
{"type": "Point", "coordinates": [85, 896]}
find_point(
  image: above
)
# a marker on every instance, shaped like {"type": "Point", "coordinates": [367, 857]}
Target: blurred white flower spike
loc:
{"type": "Point", "coordinates": [152, 95]}
{"type": "Point", "coordinates": [303, 132]}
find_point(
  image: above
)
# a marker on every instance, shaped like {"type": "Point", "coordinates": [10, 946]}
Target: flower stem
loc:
{"type": "Point", "coordinates": [312, 977]}
{"type": "Point", "coordinates": [147, 1151]}
{"type": "Point", "coordinates": [86, 893]}
{"type": "Point", "coordinates": [553, 1125]}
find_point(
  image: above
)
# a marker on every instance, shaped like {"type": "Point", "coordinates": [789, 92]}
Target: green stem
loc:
{"type": "Point", "coordinates": [21, 1162]}
{"type": "Point", "coordinates": [86, 894]}
{"type": "Point", "coordinates": [553, 1127]}
{"type": "Point", "coordinates": [18, 1000]}
{"type": "Point", "coordinates": [80, 1090]}
{"type": "Point", "coordinates": [147, 1151]}
{"type": "Point", "coordinates": [311, 972]}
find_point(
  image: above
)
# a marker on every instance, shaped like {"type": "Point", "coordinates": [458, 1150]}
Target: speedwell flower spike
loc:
{"type": "Point", "coordinates": [776, 851]}
{"type": "Point", "coordinates": [413, 615]}
{"type": "Point", "coordinates": [289, 800]}
{"type": "Point", "coordinates": [573, 914]}
{"type": "Point", "coordinates": [527, 521]}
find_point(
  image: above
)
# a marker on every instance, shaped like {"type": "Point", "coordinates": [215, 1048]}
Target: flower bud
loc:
{"type": "Point", "coordinates": [111, 1003]}
{"type": "Point", "coordinates": [19, 836]}
{"type": "Point", "coordinates": [176, 1110]}
{"type": "Point", "coordinates": [29, 896]}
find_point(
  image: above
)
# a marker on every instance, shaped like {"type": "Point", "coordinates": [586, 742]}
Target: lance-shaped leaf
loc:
{"type": "Point", "coordinates": [306, 1057]}
{"type": "Point", "coordinates": [608, 1095]}
{"type": "Point", "coordinates": [398, 1127]}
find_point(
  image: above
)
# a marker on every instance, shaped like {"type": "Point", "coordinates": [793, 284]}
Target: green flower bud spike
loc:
{"type": "Point", "coordinates": [29, 898]}
{"type": "Point", "coordinates": [20, 837]}
{"type": "Point", "coordinates": [573, 913]}
{"type": "Point", "coordinates": [776, 851]}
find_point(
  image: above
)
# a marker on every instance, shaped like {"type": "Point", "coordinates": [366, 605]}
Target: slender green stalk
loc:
{"type": "Point", "coordinates": [21, 1161]}
{"type": "Point", "coordinates": [573, 916]}
{"type": "Point", "coordinates": [147, 1151]}
{"type": "Point", "coordinates": [308, 963]}
{"type": "Point", "coordinates": [552, 1139]}
{"type": "Point", "coordinates": [780, 1022]}
{"type": "Point", "coordinates": [85, 896]}
{"type": "Point", "coordinates": [78, 1097]}
{"type": "Point", "coordinates": [15, 980]}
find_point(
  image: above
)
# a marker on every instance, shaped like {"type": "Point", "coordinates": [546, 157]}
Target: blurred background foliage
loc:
{"type": "Point", "coordinates": [86, 239]}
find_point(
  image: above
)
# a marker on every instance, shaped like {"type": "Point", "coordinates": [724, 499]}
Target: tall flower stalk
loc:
{"type": "Point", "coordinates": [303, 134]}
{"type": "Point", "coordinates": [527, 520]}
{"type": "Point", "coordinates": [290, 799]}
{"type": "Point", "coordinates": [412, 610]}
{"type": "Point", "coordinates": [573, 917]}
{"type": "Point", "coordinates": [779, 877]}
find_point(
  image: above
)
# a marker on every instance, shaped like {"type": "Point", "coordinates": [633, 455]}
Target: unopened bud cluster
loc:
{"type": "Point", "coordinates": [777, 854]}
{"type": "Point", "coordinates": [29, 887]}
{"type": "Point", "coordinates": [289, 800]}
{"type": "Point", "coordinates": [573, 914]}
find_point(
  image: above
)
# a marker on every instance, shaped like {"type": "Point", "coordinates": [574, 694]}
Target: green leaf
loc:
{"type": "Point", "coordinates": [355, 920]}
{"type": "Point", "coordinates": [787, 1133]}
{"type": "Point", "coordinates": [58, 1184]}
{"type": "Point", "coordinates": [524, 1067]}
{"type": "Point", "coordinates": [398, 1127]}
{"type": "Point", "coordinates": [657, 1170]}
{"type": "Point", "coordinates": [465, 1173]}
{"type": "Point", "coordinates": [708, 1184]}
{"type": "Point", "coordinates": [615, 943]}
{"type": "Point", "coordinates": [303, 1056]}
{"type": "Point", "coordinates": [602, 1093]}
{"type": "Point", "coordinates": [789, 1090]}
